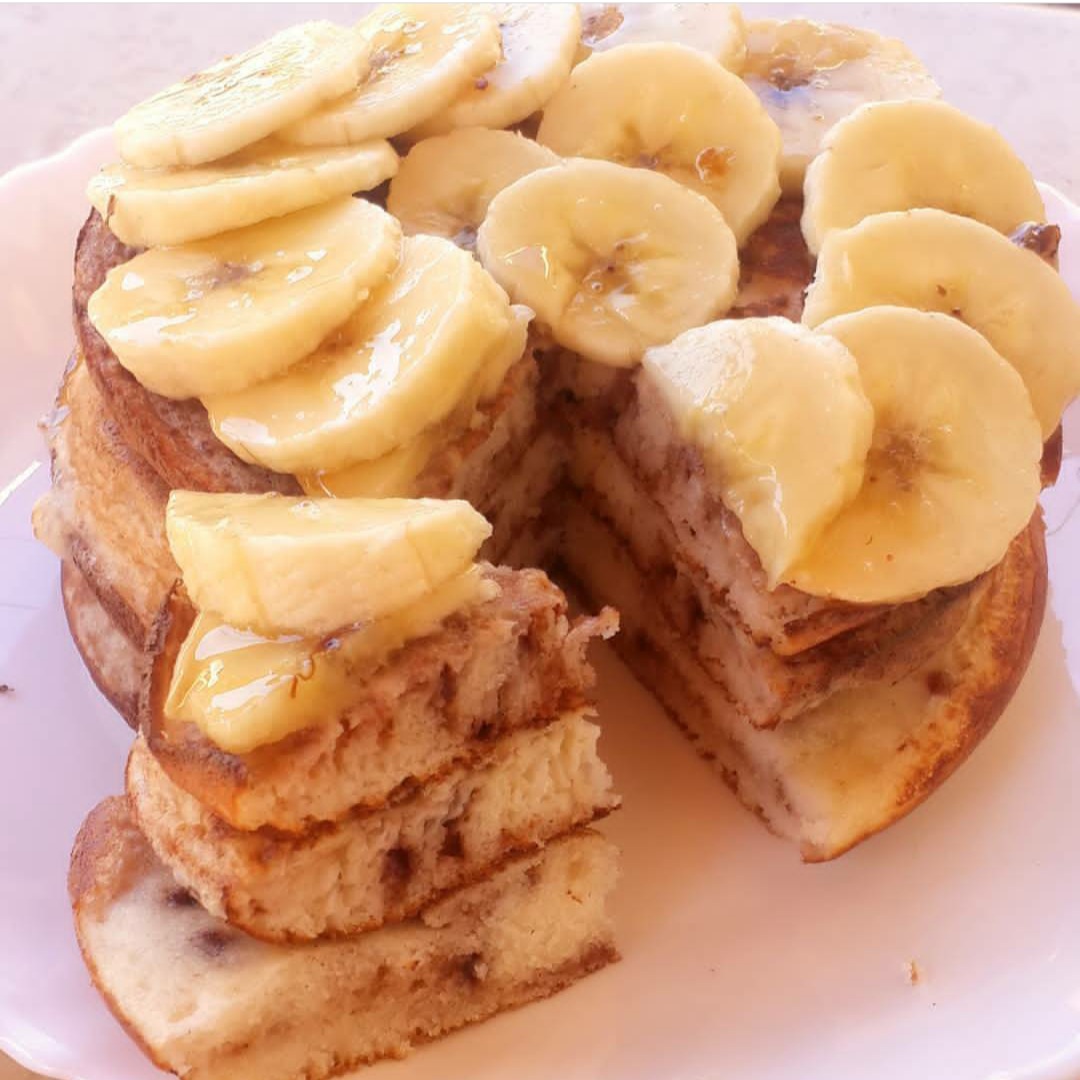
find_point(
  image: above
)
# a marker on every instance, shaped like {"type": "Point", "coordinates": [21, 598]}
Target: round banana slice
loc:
{"type": "Point", "coordinates": [397, 473]}
{"type": "Point", "coordinates": [936, 261]}
{"type": "Point", "coordinates": [282, 565]}
{"type": "Point", "coordinates": [445, 184]}
{"type": "Point", "coordinates": [539, 44]}
{"type": "Point", "coordinates": [220, 314]}
{"type": "Point", "coordinates": [421, 57]}
{"type": "Point", "coordinates": [612, 260]}
{"type": "Point", "coordinates": [782, 421]}
{"type": "Point", "coordinates": [899, 155]}
{"type": "Point", "coordinates": [402, 362]}
{"type": "Point", "coordinates": [717, 29]}
{"type": "Point", "coordinates": [243, 98]}
{"type": "Point", "coordinates": [810, 75]}
{"type": "Point", "coordinates": [672, 109]}
{"type": "Point", "coordinates": [952, 475]}
{"type": "Point", "coordinates": [159, 207]}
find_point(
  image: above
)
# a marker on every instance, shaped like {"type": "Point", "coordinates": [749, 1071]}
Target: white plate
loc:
{"type": "Point", "coordinates": [739, 960]}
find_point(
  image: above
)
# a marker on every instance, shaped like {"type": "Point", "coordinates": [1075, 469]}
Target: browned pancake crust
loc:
{"type": "Point", "coordinates": [111, 506]}
{"type": "Point", "coordinates": [1009, 618]}
{"type": "Point", "coordinates": [114, 664]}
{"type": "Point", "coordinates": [775, 266]}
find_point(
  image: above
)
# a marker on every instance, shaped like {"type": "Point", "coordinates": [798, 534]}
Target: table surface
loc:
{"type": "Point", "coordinates": [65, 69]}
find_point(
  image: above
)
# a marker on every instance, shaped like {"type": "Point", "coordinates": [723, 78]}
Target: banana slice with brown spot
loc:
{"type": "Point", "coordinates": [716, 29]}
{"type": "Point", "coordinates": [611, 259]}
{"type": "Point", "coordinates": [401, 362]}
{"type": "Point", "coordinates": [539, 43]}
{"type": "Point", "coordinates": [675, 110]}
{"type": "Point", "coordinates": [952, 476]}
{"type": "Point", "coordinates": [221, 314]}
{"type": "Point", "coordinates": [445, 184]}
{"type": "Point", "coordinates": [420, 58]}
{"type": "Point", "coordinates": [810, 75]}
{"type": "Point", "coordinates": [936, 261]}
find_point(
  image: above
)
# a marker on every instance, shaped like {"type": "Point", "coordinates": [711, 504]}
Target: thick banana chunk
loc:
{"type": "Point", "coordinates": [782, 421]}
{"type": "Point", "coordinates": [279, 565]}
{"type": "Point", "coordinates": [612, 259]}
{"type": "Point", "coordinates": [217, 315]}
{"type": "Point", "coordinates": [159, 207]}
{"type": "Point", "coordinates": [810, 75]}
{"type": "Point", "coordinates": [539, 44]}
{"type": "Point", "coordinates": [421, 57]}
{"type": "Point", "coordinates": [953, 470]}
{"type": "Point", "coordinates": [244, 690]}
{"type": "Point", "coordinates": [445, 184]}
{"type": "Point", "coordinates": [899, 155]}
{"type": "Point", "coordinates": [717, 29]}
{"type": "Point", "coordinates": [403, 360]}
{"type": "Point", "coordinates": [243, 98]}
{"type": "Point", "coordinates": [672, 109]}
{"type": "Point", "coordinates": [936, 261]}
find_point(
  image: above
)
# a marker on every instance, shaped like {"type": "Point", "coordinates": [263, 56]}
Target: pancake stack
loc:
{"type": "Point", "coordinates": [828, 720]}
{"type": "Point", "coordinates": [736, 325]}
{"type": "Point", "coordinates": [395, 817]}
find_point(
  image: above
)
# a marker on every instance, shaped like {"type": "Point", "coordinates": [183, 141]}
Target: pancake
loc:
{"type": "Point", "coordinates": [380, 866]}
{"type": "Point", "coordinates": [850, 767]}
{"type": "Point", "coordinates": [114, 663]}
{"type": "Point", "coordinates": [202, 999]}
{"type": "Point", "coordinates": [440, 701]}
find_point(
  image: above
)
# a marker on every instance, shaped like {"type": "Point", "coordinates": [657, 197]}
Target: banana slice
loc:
{"type": "Point", "coordinates": [401, 362]}
{"type": "Point", "coordinates": [244, 690]}
{"type": "Point", "coordinates": [717, 29]}
{"type": "Point", "coordinates": [612, 259]}
{"type": "Point", "coordinates": [217, 315]}
{"type": "Point", "coordinates": [539, 44]}
{"type": "Point", "coordinates": [781, 418]}
{"type": "Point", "coordinates": [391, 476]}
{"type": "Point", "coordinates": [243, 98]}
{"type": "Point", "coordinates": [810, 75]}
{"type": "Point", "coordinates": [953, 470]}
{"type": "Point", "coordinates": [422, 56]}
{"type": "Point", "coordinates": [675, 110]}
{"type": "Point", "coordinates": [397, 472]}
{"type": "Point", "coordinates": [445, 184]}
{"type": "Point", "coordinates": [899, 155]}
{"type": "Point", "coordinates": [941, 262]}
{"type": "Point", "coordinates": [159, 207]}
{"type": "Point", "coordinates": [276, 564]}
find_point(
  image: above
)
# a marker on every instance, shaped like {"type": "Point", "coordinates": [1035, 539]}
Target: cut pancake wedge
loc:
{"type": "Point", "coordinates": [203, 1000]}
{"type": "Point", "coordinates": [377, 868]}
{"type": "Point", "coordinates": [866, 757]}
{"type": "Point", "coordinates": [438, 702]}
